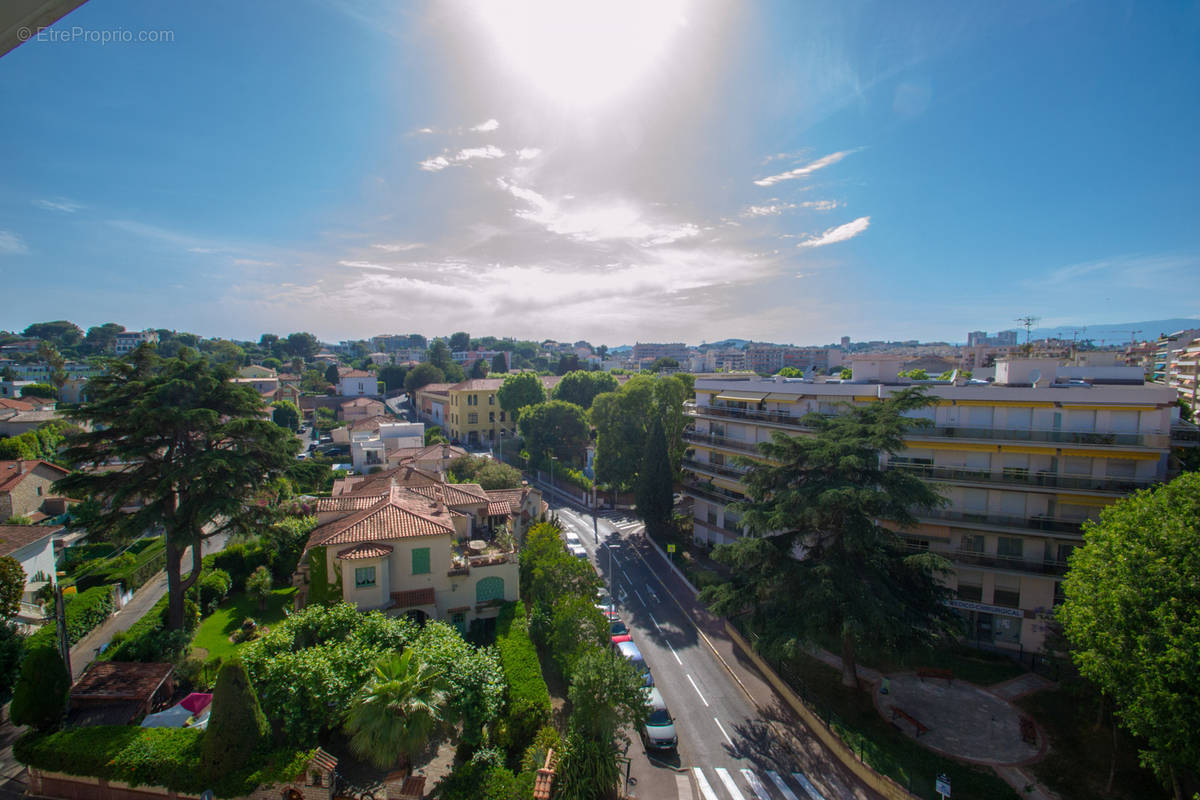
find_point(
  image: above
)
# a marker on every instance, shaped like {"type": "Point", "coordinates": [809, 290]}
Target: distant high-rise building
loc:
{"type": "Point", "coordinates": [845, 342]}
{"type": "Point", "coordinates": [1001, 339]}
{"type": "Point", "coordinates": [651, 351]}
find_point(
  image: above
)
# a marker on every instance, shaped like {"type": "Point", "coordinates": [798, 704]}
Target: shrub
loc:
{"type": "Point", "coordinates": [191, 615]}
{"type": "Point", "coordinates": [258, 586]}
{"type": "Point", "coordinates": [12, 648]}
{"type": "Point", "coordinates": [484, 777]}
{"type": "Point", "coordinates": [40, 696]}
{"type": "Point", "coordinates": [141, 561]}
{"type": "Point", "coordinates": [236, 728]}
{"type": "Point", "coordinates": [528, 701]}
{"type": "Point", "coordinates": [148, 639]}
{"type": "Point", "coordinates": [84, 612]}
{"type": "Point", "coordinates": [239, 560]}
{"type": "Point", "coordinates": [214, 586]}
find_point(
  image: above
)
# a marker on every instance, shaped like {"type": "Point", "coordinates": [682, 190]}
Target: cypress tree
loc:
{"type": "Point", "coordinates": [654, 484]}
{"type": "Point", "coordinates": [42, 691]}
{"type": "Point", "coordinates": [236, 727]}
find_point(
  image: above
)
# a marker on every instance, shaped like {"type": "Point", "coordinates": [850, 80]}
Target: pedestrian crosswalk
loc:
{"type": "Point", "coordinates": [623, 521]}
{"type": "Point", "coordinates": [721, 783]}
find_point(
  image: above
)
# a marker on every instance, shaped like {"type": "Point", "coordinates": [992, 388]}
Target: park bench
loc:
{"type": "Point", "coordinates": [930, 672]}
{"type": "Point", "coordinates": [916, 723]}
{"type": "Point", "coordinates": [1028, 730]}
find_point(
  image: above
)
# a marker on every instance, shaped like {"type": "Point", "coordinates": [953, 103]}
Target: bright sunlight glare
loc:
{"type": "Point", "coordinates": [583, 53]}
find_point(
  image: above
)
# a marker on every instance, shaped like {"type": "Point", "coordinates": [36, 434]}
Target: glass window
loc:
{"type": "Point", "coordinates": [1006, 598]}
{"type": "Point", "coordinates": [489, 589]}
{"type": "Point", "coordinates": [491, 416]}
{"type": "Point", "coordinates": [364, 577]}
{"type": "Point", "coordinates": [491, 399]}
{"type": "Point", "coordinates": [971, 542]}
{"type": "Point", "coordinates": [1121, 467]}
{"type": "Point", "coordinates": [971, 593]}
{"type": "Point", "coordinates": [1009, 547]}
{"type": "Point", "coordinates": [472, 418]}
{"type": "Point", "coordinates": [420, 560]}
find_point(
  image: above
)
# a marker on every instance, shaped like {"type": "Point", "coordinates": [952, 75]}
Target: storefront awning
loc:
{"type": "Point", "coordinates": [743, 397]}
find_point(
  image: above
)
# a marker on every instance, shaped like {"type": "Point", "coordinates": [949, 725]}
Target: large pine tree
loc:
{"type": "Point", "coordinates": [194, 448]}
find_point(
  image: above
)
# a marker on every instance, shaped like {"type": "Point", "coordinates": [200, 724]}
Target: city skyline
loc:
{"type": "Point", "coordinates": [693, 171]}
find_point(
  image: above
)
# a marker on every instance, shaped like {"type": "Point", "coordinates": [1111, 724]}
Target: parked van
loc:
{"type": "Point", "coordinates": [631, 652]}
{"type": "Point", "coordinates": [659, 730]}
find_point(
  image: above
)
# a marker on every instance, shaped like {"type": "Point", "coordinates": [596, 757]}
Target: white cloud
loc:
{"type": "Point", "coordinates": [58, 204]}
{"type": "Point", "coordinates": [439, 163]}
{"type": "Point", "coordinates": [12, 245]}
{"type": "Point", "coordinates": [366, 265]}
{"type": "Point", "coordinates": [807, 169]}
{"type": "Point", "coordinates": [398, 247]}
{"type": "Point", "coordinates": [526, 153]}
{"type": "Point", "coordinates": [839, 234]}
{"type": "Point", "coordinates": [604, 221]}
{"type": "Point", "coordinates": [820, 205]}
{"type": "Point", "coordinates": [772, 210]}
{"type": "Point", "coordinates": [490, 125]}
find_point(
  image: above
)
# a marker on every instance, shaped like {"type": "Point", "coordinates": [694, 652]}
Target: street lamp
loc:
{"type": "Point", "coordinates": [553, 458]}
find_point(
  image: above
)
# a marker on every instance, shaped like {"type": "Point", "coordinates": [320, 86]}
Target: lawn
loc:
{"type": "Point", "coordinates": [854, 718]}
{"type": "Point", "coordinates": [214, 631]}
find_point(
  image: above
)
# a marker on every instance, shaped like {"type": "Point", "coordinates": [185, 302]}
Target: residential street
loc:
{"type": "Point", "coordinates": [723, 710]}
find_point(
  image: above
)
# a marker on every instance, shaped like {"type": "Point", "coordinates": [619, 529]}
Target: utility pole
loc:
{"type": "Point", "coordinates": [1028, 322]}
{"type": "Point", "coordinates": [60, 619]}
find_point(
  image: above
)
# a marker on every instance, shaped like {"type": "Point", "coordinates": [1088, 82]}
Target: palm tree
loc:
{"type": "Point", "coordinates": [396, 711]}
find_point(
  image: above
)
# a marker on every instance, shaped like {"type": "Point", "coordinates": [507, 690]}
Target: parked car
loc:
{"type": "Point", "coordinates": [618, 630]}
{"type": "Point", "coordinates": [659, 730]}
{"type": "Point", "coordinates": [630, 651]}
{"type": "Point", "coordinates": [577, 550]}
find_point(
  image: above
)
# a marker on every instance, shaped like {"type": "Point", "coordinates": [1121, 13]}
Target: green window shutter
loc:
{"type": "Point", "coordinates": [420, 560]}
{"type": "Point", "coordinates": [489, 589]}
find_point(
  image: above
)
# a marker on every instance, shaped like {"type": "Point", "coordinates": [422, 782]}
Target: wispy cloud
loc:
{"type": "Point", "coordinates": [486, 126]}
{"type": "Point", "coordinates": [1144, 270]}
{"type": "Point", "coordinates": [253, 262]}
{"type": "Point", "coordinates": [58, 204]}
{"type": "Point", "coordinates": [526, 153]}
{"type": "Point", "coordinates": [820, 205]}
{"type": "Point", "coordinates": [439, 163]}
{"type": "Point", "coordinates": [398, 247]}
{"type": "Point", "coordinates": [771, 210]}
{"type": "Point", "coordinates": [12, 245]}
{"type": "Point", "coordinates": [807, 169]}
{"type": "Point", "coordinates": [490, 125]}
{"type": "Point", "coordinates": [601, 221]}
{"type": "Point", "coordinates": [366, 265]}
{"type": "Point", "coordinates": [839, 234]}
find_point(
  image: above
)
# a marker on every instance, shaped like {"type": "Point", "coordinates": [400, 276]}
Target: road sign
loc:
{"type": "Point", "coordinates": [943, 785]}
{"type": "Point", "coordinates": [670, 548]}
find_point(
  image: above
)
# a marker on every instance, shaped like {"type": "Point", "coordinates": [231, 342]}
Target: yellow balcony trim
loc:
{"type": "Point", "coordinates": [1111, 454]}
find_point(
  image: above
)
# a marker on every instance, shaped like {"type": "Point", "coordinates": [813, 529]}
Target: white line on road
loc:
{"type": "Point", "coordinates": [677, 660]}
{"type": "Point", "coordinates": [652, 619]}
{"type": "Point", "coordinates": [756, 785]}
{"type": "Point", "coordinates": [808, 787]}
{"type": "Point", "coordinates": [697, 688]}
{"type": "Point", "coordinates": [702, 782]}
{"type": "Point", "coordinates": [639, 597]}
{"type": "Point", "coordinates": [727, 779]}
{"type": "Point", "coordinates": [723, 733]}
{"type": "Point", "coordinates": [783, 788]}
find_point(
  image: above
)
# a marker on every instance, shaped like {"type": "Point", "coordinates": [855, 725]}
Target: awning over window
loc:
{"type": "Point", "coordinates": [743, 397]}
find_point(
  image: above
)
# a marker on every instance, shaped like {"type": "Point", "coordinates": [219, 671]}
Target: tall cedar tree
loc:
{"type": "Point", "coordinates": [820, 562]}
{"type": "Point", "coordinates": [196, 450]}
{"type": "Point", "coordinates": [654, 483]}
{"type": "Point", "coordinates": [236, 727]}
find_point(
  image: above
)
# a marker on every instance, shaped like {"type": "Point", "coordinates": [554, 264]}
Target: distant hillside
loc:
{"type": "Point", "coordinates": [1114, 332]}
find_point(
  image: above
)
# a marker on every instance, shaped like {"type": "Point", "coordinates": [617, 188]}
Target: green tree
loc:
{"type": "Point", "coordinates": [440, 355]}
{"type": "Point", "coordinates": [567, 362]}
{"type": "Point", "coordinates": [40, 696]}
{"type": "Point", "coordinates": [12, 649]}
{"type": "Point", "coordinates": [495, 475]}
{"type": "Point", "coordinates": [548, 571]}
{"type": "Point", "coordinates": [664, 363]}
{"type": "Point", "coordinates": [49, 355]}
{"type": "Point", "coordinates": [434, 435]}
{"type": "Point", "coordinates": [820, 563]}
{"type": "Point", "coordinates": [396, 712]}
{"type": "Point", "coordinates": [622, 421]}
{"type": "Point", "coordinates": [199, 450]}
{"type": "Point", "coordinates": [422, 375]}
{"type": "Point", "coordinates": [471, 677]}
{"type": "Point", "coordinates": [581, 387]}
{"type": "Point", "coordinates": [655, 484]}
{"type": "Point", "coordinates": [313, 382]}
{"type": "Point", "coordinates": [499, 364]}
{"type": "Point", "coordinates": [1132, 617]}
{"type": "Point", "coordinates": [392, 377]}
{"type": "Point", "coordinates": [331, 374]}
{"type": "Point", "coordinates": [576, 627]}
{"type": "Point", "coordinates": [42, 390]}
{"type": "Point", "coordinates": [61, 333]}
{"type": "Point", "coordinates": [519, 390]}
{"type": "Point", "coordinates": [258, 586]}
{"type": "Point", "coordinates": [236, 727]}
{"type": "Point", "coordinates": [12, 586]}
{"type": "Point", "coordinates": [915, 374]}
{"type": "Point", "coordinates": [460, 341]}
{"type": "Point", "coordinates": [846, 374]}
{"type": "Point", "coordinates": [479, 369]}
{"type": "Point", "coordinates": [222, 351]}
{"type": "Point", "coordinates": [790, 372]}
{"type": "Point", "coordinates": [555, 428]}
{"type": "Point", "coordinates": [302, 345]}
{"type": "Point", "coordinates": [101, 339]}
{"type": "Point", "coordinates": [285, 414]}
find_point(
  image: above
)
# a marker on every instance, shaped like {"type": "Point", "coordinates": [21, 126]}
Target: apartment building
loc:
{"type": "Point", "coordinates": [1022, 462]}
{"type": "Point", "coordinates": [1183, 371]}
{"type": "Point", "coordinates": [769, 359]}
{"type": "Point", "coordinates": [128, 341]}
{"type": "Point", "coordinates": [469, 411]}
{"type": "Point", "coordinates": [652, 351]}
{"type": "Point", "coordinates": [1001, 339]}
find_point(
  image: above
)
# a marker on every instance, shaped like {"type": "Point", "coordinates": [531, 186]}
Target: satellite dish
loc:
{"type": "Point", "coordinates": [1035, 375]}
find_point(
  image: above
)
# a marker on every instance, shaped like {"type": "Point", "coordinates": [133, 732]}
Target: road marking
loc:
{"type": "Point", "coordinates": [697, 688]}
{"type": "Point", "coordinates": [683, 787]}
{"type": "Point", "coordinates": [783, 788]}
{"type": "Point", "coordinates": [808, 787]}
{"type": "Point", "coordinates": [755, 784]}
{"type": "Point", "coordinates": [651, 593]}
{"type": "Point", "coordinates": [677, 661]}
{"type": "Point", "coordinates": [727, 779]}
{"type": "Point", "coordinates": [652, 619]}
{"type": "Point", "coordinates": [723, 733]}
{"type": "Point", "coordinates": [702, 782]}
{"type": "Point", "coordinates": [639, 597]}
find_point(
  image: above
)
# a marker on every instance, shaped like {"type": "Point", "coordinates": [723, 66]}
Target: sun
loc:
{"type": "Point", "coordinates": [583, 53]}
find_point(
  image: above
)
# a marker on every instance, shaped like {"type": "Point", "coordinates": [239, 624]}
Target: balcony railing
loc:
{"type": "Point", "coordinates": [725, 470]}
{"type": "Point", "coordinates": [709, 492]}
{"type": "Point", "coordinates": [720, 441]}
{"type": "Point", "coordinates": [1035, 522]}
{"type": "Point", "coordinates": [1185, 434]}
{"type": "Point", "coordinates": [939, 432]}
{"type": "Point", "coordinates": [1025, 478]}
{"type": "Point", "coordinates": [1042, 567]}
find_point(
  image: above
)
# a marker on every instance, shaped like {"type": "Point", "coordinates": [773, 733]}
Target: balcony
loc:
{"type": "Point", "coordinates": [713, 440]}
{"type": "Point", "coordinates": [1011, 563]}
{"type": "Point", "coordinates": [731, 412]}
{"type": "Point", "coordinates": [1022, 477]}
{"type": "Point", "coordinates": [1185, 435]}
{"type": "Point", "coordinates": [1036, 522]}
{"type": "Point", "coordinates": [707, 491]}
{"type": "Point", "coordinates": [723, 470]}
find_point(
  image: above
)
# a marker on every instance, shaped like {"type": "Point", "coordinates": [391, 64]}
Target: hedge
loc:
{"type": "Point", "coordinates": [239, 560]}
{"type": "Point", "coordinates": [148, 639]}
{"type": "Point", "coordinates": [84, 613]}
{"type": "Point", "coordinates": [132, 568]}
{"type": "Point", "coordinates": [528, 700]}
{"type": "Point", "coordinates": [166, 757]}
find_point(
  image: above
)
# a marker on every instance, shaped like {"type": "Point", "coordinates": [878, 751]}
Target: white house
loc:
{"type": "Point", "coordinates": [357, 382]}
{"type": "Point", "coordinates": [32, 546]}
{"type": "Point", "coordinates": [369, 448]}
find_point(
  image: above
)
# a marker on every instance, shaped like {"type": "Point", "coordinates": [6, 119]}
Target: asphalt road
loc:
{"type": "Point", "coordinates": [726, 750]}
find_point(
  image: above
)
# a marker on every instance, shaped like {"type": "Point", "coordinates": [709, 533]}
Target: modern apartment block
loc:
{"type": "Point", "coordinates": [769, 359]}
{"type": "Point", "coordinates": [1183, 371]}
{"type": "Point", "coordinates": [128, 341]}
{"type": "Point", "coordinates": [652, 351]}
{"type": "Point", "coordinates": [1001, 339]}
{"type": "Point", "coordinates": [1022, 462]}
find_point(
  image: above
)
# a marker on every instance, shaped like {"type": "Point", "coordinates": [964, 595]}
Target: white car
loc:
{"type": "Point", "coordinates": [577, 550]}
{"type": "Point", "coordinates": [572, 538]}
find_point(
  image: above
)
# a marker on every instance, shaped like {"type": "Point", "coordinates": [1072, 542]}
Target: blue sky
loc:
{"type": "Point", "coordinates": [679, 170]}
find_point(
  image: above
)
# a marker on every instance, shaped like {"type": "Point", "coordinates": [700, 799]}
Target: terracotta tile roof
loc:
{"type": "Point", "coordinates": [355, 373]}
{"type": "Point", "coordinates": [370, 423]}
{"type": "Point", "coordinates": [324, 760]}
{"type": "Point", "coordinates": [413, 597]}
{"type": "Point", "coordinates": [454, 494]}
{"type": "Point", "coordinates": [400, 514]}
{"type": "Point", "coordinates": [14, 537]}
{"type": "Point", "coordinates": [348, 503]}
{"type": "Point", "coordinates": [499, 508]}
{"type": "Point", "coordinates": [13, 472]}
{"type": "Point", "coordinates": [16, 405]}
{"type": "Point", "coordinates": [435, 388]}
{"type": "Point", "coordinates": [33, 417]}
{"type": "Point", "coordinates": [514, 497]}
{"type": "Point", "coordinates": [477, 385]}
{"type": "Point", "coordinates": [361, 401]}
{"type": "Point", "coordinates": [366, 550]}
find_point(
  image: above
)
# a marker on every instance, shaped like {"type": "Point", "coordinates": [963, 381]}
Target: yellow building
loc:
{"type": "Point", "coordinates": [469, 412]}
